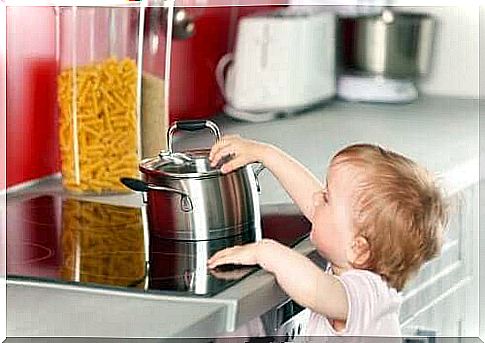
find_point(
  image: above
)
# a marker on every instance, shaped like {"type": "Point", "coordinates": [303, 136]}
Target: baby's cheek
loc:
{"type": "Point", "coordinates": [315, 236]}
{"type": "Point", "coordinates": [322, 240]}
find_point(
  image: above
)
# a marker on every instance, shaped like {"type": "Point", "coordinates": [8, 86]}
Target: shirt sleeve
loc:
{"type": "Point", "coordinates": [366, 295]}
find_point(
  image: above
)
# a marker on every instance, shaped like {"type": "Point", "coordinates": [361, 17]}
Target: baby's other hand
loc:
{"type": "Point", "coordinates": [243, 151]}
{"type": "Point", "coordinates": [234, 274]}
{"type": "Point", "coordinates": [239, 254]}
{"type": "Point", "coordinates": [248, 254]}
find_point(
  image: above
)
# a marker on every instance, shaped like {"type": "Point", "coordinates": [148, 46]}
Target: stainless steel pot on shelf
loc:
{"type": "Point", "coordinates": [187, 199]}
{"type": "Point", "coordinates": [391, 44]}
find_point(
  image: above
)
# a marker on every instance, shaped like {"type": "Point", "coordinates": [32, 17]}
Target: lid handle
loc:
{"type": "Point", "coordinates": [191, 125]}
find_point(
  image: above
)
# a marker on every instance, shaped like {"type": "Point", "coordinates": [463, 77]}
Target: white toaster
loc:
{"type": "Point", "coordinates": [284, 61]}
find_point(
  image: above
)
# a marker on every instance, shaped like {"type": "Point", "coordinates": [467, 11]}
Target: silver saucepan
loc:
{"type": "Point", "coordinates": [392, 44]}
{"type": "Point", "coordinates": [187, 199]}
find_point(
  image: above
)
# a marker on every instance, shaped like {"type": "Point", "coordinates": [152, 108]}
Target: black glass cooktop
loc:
{"type": "Point", "coordinates": [90, 244]}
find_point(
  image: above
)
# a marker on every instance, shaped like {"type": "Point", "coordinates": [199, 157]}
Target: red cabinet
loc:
{"type": "Point", "coordinates": [32, 146]}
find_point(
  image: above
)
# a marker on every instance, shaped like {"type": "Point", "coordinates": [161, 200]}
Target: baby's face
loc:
{"type": "Point", "coordinates": [332, 229]}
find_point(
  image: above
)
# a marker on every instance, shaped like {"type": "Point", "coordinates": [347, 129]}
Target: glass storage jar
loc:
{"type": "Point", "coordinates": [154, 87]}
{"type": "Point", "coordinates": [98, 95]}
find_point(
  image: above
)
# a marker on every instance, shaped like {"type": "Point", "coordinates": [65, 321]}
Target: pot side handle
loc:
{"type": "Point", "coordinates": [141, 186]}
{"type": "Point", "coordinates": [258, 170]}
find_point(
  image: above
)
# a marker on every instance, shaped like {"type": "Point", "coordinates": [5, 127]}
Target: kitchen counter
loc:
{"type": "Point", "coordinates": [440, 133]}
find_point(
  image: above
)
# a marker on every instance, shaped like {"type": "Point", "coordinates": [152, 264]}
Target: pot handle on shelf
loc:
{"type": "Point", "coordinates": [141, 186]}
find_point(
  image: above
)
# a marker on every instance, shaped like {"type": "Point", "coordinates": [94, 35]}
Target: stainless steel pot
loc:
{"type": "Point", "coordinates": [392, 44]}
{"type": "Point", "coordinates": [187, 199]}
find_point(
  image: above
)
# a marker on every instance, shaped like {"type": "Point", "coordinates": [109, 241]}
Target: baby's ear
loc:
{"type": "Point", "coordinates": [361, 251]}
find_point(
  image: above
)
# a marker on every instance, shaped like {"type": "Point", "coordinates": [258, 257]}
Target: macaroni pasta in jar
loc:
{"type": "Point", "coordinates": [98, 91]}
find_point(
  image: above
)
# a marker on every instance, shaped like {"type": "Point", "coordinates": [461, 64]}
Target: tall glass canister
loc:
{"type": "Point", "coordinates": [154, 110]}
{"type": "Point", "coordinates": [99, 97]}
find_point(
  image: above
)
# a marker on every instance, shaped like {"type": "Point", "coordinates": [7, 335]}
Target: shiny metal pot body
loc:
{"type": "Point", "coordinates": [215, 206]}
{"type": "Point", "coordinates": [182, 265]}
{"type": "Point", "coordinates": [189, 199]}
{"type": "Point", "coordinates": [392, 44]}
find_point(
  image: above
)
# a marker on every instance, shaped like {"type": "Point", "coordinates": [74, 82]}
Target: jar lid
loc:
{"type": "Point", "coordinates": [189, 164]}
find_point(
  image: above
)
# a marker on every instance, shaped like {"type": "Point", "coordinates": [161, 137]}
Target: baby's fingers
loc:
{"type": "Point", "coordinates": [221, 253]}
{"type": "Point", "coordinates": [218, 147]}
{"type": "Point", "coordinates": [233, 164]}
{"type": "Point", "coordinates": [219, 260]}
{"type": "Point", "coordinates": [221, 144]}
{"type": "Point", "coordinates": [225, 151]}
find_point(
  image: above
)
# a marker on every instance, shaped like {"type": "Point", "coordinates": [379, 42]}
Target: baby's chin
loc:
{"type": "Point", "coordinates": [317, 247]}
{"type": "Point", "coordinates": [312, 240]}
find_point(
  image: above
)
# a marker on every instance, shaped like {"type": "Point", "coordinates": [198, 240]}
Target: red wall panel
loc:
{"type": "Point", "coordinates": [3, 75]}
{"type": "Point", "coordinates": [32, 148]}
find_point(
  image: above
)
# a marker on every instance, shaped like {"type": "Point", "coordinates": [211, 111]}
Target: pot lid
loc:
{"type": "Point", "coordinates": [189, 164]}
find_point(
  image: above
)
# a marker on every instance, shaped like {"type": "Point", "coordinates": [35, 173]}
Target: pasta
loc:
{"type": "Point", "coordinates": [102, 244]}
{"type": "Point", "coordinates": [98, 126]}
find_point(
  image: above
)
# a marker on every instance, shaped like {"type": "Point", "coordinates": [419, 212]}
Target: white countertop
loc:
{"type": "Point", "coordinates": [440, 133]}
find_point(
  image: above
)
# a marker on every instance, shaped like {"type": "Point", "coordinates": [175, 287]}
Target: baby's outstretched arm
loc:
{"type": "Point", "coordinates": [297, 180]}
{"type": "Point", "coordinates": [297, 275]}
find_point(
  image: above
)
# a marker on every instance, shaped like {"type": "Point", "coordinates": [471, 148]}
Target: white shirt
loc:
{"type": "Point", "coordinates": [373, 308]}
{"type": "Point", "coordinates": [373, 311]}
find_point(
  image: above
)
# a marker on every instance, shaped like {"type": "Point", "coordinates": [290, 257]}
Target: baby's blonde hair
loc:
{"type": "Point", "coordinates": [400, 211]}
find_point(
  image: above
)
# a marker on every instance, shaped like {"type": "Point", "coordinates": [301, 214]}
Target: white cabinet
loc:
{"type": "Point", "coordinates": [443, 298]}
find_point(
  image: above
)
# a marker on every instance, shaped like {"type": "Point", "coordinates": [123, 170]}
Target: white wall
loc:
{"type": "Point", "coordinates": [455, 62]}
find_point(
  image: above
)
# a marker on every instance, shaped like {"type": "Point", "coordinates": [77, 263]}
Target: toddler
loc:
{"type": "Point", "coordinates": [376, 220]}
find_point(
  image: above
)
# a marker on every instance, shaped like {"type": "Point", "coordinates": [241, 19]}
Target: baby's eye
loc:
{"type": "Point", "coordinates": [318, 199]}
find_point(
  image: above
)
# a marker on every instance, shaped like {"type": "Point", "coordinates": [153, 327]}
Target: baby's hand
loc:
{"type": "Point", "coordinates": [242, 151]}
{"type": "Point", "coordinates": [240, 254]}
{"type": "Point", "coordinates": [234, 274]}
